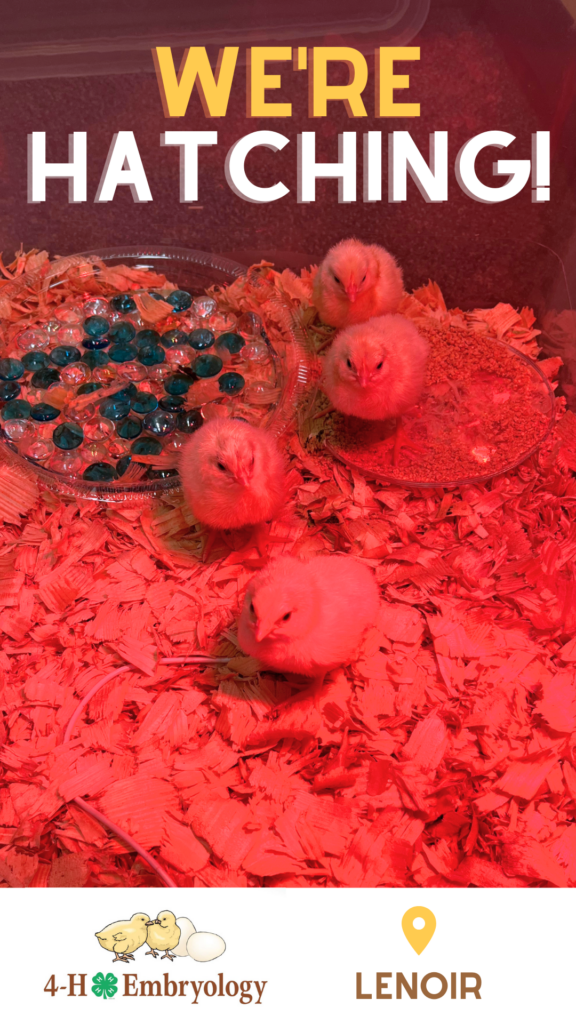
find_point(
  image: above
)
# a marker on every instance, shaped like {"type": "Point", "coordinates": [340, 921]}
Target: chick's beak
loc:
{"type": "Point", "coordinates": [351, 291]}
{"type": "Point", "coordinates": [244, 472]}
{"type": "Point", "coordinates": [363, 379]}
{"type": "Point", "coordinates": [262, 629]}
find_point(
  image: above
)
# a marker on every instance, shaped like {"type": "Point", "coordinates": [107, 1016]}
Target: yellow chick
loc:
{"type": "Point", "coordinates": [163, 934]}
{"type": "Point", "coordinates": [355, 282]}
{"type": "Point", "coordinates": [124, 937]}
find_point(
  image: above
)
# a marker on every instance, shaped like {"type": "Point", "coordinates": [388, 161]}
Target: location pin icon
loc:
{"type": "Point", "coordinates": [419, 937]}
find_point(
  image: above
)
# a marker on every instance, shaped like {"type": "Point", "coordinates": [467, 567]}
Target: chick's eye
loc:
{"type": "Point", "coordinates": [252, 606]}
{"type": "Point", "coordinates": [380, 364]}
{"type": "Point", "coordinates": [363, 279]}
{"type": "Point", "coordinates": [348, 364]}
{"type": "Point", "coordinates": [221, 467]}
{"type": "Point", "coordinates": [286, 617]}
{"type": "Point", "coordinates": [337, 279]}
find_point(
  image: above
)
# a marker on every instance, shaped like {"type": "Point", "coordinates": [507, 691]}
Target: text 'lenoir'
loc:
{"type": "Point", "coordinates": [433, 986]}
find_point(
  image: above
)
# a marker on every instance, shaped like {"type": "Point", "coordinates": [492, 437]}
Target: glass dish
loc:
{"type": "Point", "coordinates": [455, 417]}
{"type": "Point", "coordinates": [82, 278]}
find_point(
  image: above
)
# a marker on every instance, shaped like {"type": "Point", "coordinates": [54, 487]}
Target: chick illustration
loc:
{"type": "Point", "coordinates": [163, 935]}
{"type": "Point", "coordinates": [232, 474]}
{"type": "Point", "coordinates": [355, 282]}
{"type": "Point", "coordinates": [308, 617]}
{"type": "Point", "coordinates": [124, 937]}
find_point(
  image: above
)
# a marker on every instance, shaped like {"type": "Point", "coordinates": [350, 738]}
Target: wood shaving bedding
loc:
{"type": "Point", "coordinates": [445, 756]}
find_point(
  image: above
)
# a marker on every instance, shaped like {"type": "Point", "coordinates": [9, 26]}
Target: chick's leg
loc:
{"type": "Point", "coordinates": [152, 952]}
{"type": "Point", "coordinates": [401, 440]}
{"type": "Point", "coordinates": [306, 689]}
{"type": "Point", "coordinates": [316, 690]}
{"type": "Point", "coordinates": [171, 956]}
{"type": "Point", "coordinates": [209, 544]}
{"type": "Point", "coordinates": [123, 957]}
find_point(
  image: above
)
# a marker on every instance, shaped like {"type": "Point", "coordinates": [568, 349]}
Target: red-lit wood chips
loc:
{"type": "Point", "coordinates": [445, 756]}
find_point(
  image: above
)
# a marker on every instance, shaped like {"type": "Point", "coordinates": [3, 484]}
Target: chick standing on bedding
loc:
{"type": "Point", "coordinates": [375, 371]}
{"type": "Point", "coordinates": [124, 937]}
{"type": "Point", "coordinates": [308, 617]}
{"type": "Point", "coordinates": [232, 474]}
{"type": "Point", "coordinates": [355, 282]}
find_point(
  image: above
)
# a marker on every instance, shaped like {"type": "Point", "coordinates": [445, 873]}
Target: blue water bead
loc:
{"type": "Point", "coordinates": [151, 355]}
{"type": "Point", "coordinates": [128, 392]}
{"type": "Point", "coordinates": [201, 338]}
{"type": "Point", "coordinates": [100, 471]}
{"type": "Point", "coordinates": [207, 365]}
{"type": "Point", "coordinates": [232, 342]}
{"type": "Point", "coordinates": [174, 337]}
{"type": "Point", "coordinates": [188, 373]}
{"type": "Point", "coordinates": [34, 360]}
{"type": "Point", "coordinates": [129, 428]}
{"type": "Point", "coordinates": [171, 403]}
{"type": "Point", "coordinates": [68, 435]}
{"type": "Point", "coordinates": [44, 412]}
{"type": "Point", "coordinates": [122, 464]}
{"type": "Point", "coordinates": [17, 409]}
{"type": "Point", "coordinates": [121, 332]}
{"type": "Point", "coordinates": [44, 378]}
{"type": "Point", "coordinates": [87, 389]}
{"type": "Point", "coordinates": [147, 337]}
{"type": "Point", "coordinates": [94, 359]}
{"type": "Point", "coordinates": [156, 295]}
{"type": "Point", "coordinates": [160, 423]}
{"type": "Point", "coordinates": [95, 326]}
{"type": "Point", "coordinates": [177, 385]}
{"type": "Point", "coordinates": [231, 383]}
{"type": "Point", "coordinates": [143, 402]}
{"type": "Point", "coordinates": [8, 390]}
{"type": "Point", "coordinates": [146, 446]}
{"type": "Point", "coordinates": [179, 300]}
{"type": "Point", "coordinates": [11, 369]}
{"type": "Point", "coordinates": [115, 408]}
{"type": "Point", "coordinates": [95, 343]}
{"type": "Point", "coordinates": [123, 353]}
{"type": "Point", "coordinates": [123, 303]}
{"type": "Point", "coordinates": [189, 420]}
{"type": "Point", "coordinates": [65, 354]}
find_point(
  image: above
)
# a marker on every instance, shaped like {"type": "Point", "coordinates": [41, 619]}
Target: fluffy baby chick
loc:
{"type": "Point", "coordinates": [163, 935]}
{"type": "Point", "coordinates": [375, 371]}
{"type": "Point", "coordinates": [308, 617]}
{"type": "Point", "coordinates": [355, 282]}
{"type": "Point", "coordinates": [124, 937]}
{"type": "Point", "coordinates": [232, 474]}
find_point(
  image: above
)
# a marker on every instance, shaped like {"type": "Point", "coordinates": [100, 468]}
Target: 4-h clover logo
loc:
{"type": "Point", "coordinates": [104, 986]}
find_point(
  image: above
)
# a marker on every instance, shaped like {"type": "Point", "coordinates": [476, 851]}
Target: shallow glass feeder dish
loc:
{"type": "Point", "coordinates": [463, 431]}
{"type": "Point", "coordinates": [123, 355]}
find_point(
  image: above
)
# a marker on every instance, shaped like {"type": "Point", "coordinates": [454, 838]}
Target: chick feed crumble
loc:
{"type": "Point", "coordinates": [484, 409]}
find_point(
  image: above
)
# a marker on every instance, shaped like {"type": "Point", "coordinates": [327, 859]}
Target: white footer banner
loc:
{"type": "Point", "coordinates": [294, 955]}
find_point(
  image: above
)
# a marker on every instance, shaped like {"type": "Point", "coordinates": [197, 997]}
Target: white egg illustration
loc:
{"type": "Point", "coordinates": [203, 946]}
{"type": "Point", "coordinates": [186, 930]}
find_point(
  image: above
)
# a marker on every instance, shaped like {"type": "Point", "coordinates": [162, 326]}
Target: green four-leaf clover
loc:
{"type": "Point", "coordinates": [104, 986]}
